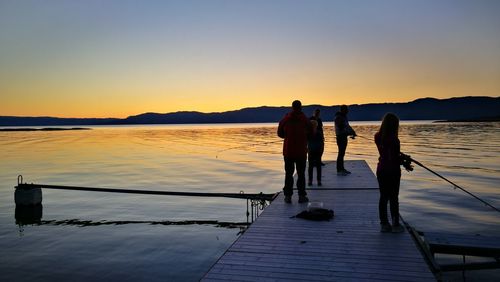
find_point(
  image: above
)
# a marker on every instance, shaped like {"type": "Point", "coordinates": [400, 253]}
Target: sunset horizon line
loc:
{"type": "Point", "coordinates": [246, 107]}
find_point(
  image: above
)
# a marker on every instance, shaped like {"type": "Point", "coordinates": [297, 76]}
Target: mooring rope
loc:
{"type": "Point", "coordinates": [445, 179]}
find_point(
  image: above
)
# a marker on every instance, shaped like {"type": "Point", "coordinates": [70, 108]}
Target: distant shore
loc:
{"type": "Point", "coordinates": [452, 109]}
{"type": "Point", "coordinates": [483, 119]}
{"type": "Point", "coordinates": [44, 129]}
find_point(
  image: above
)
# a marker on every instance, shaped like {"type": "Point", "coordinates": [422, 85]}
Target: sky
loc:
{"type": "Point", "coordinates": [115, 58]}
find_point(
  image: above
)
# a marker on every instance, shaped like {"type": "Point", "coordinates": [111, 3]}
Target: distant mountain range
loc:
{"type": "Point", "coordinates": [460, 108]}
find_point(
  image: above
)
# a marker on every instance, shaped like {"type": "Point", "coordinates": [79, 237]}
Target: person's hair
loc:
{"type": "Point", "coordinates": [297, 105]}
{"type": "Point", "coordinates": [389, 126]}
{"type": "Point", "coordinates": [315, 113]}
{"type": "Point", "coordinates": [343, 108]}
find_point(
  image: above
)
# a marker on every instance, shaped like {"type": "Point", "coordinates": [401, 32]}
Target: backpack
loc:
{"type": "Point", "coordinates": [317, 214]}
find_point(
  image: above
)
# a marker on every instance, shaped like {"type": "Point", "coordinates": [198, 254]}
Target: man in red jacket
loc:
{"type": "Point", "coordinates": [295, 128]}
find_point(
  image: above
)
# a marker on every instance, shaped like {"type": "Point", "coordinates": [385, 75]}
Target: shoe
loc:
{"type": "Point", "coordinates": [319, 183]}
{"type": "Point", "coordinates": [397, 229]}
{"type": "Point", "coordinates": [342, 173]}
{"type": "Point", "coordinates": [385, 228]}
{"type": "Point", "coordinates": [303, 199]}
{"type": "Point", "coordinates": [346, 171]}
{"type": "Point", "coordinates": [323, 164]}
{"type": "Point", "coordinates": [288, 199]}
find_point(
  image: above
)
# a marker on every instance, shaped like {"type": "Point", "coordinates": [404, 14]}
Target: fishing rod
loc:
{"type": "Point", "coordinates": [246, 146]}
{"type": "Point", "coordinates": [263, 143]}
{"type": "Point", "coordinates": [452, 183]}
{"type": "Point", "coordinates": [408, 157]}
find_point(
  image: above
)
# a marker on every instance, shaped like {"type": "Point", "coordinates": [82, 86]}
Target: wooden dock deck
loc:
{"type": "Point", "coordinates": [350, 247]}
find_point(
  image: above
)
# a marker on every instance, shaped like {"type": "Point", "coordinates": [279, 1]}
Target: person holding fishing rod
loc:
{"type": "Point", "coordinates": [295, 128]}
{"type": "Point", "coordinates": [342, 131]}
{"type": "Point", "coordinates": [389, 171]}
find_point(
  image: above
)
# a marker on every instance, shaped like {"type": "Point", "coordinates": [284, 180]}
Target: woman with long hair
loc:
{"type": "Point", "coordinates": [389, 172]}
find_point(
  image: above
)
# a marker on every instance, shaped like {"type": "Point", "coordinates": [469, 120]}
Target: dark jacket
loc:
{"type": "Point", "coordinates": [315, 143]}
{"type": "Point", "coordinates": [294, 128]}
{"type": "Point", "coordinates": [342, 127]}
{"type": "Point", "coordinates": [389, 148]}
{"type": "Point", "coordinates": [319, 129]}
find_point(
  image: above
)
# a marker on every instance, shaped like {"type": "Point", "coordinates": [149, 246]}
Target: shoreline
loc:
{"type": "Point", "coordinates": [486, 119]}
{"type": "Point", "coordinates": [44, 129]}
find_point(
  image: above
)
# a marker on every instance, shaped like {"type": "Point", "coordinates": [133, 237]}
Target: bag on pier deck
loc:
{"type": "Point", "coordinates": [318, 214]}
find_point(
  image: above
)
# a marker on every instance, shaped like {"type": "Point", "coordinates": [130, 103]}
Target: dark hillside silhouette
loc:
{"type": "Point", "coordinates": [462, 108]}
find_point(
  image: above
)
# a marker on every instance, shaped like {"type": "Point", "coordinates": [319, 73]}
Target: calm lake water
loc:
{"type": "Point", "coordinates": [104, 236]}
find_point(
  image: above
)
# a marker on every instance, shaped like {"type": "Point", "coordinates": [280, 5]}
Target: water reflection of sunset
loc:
{"type": "Point", "coordinates": [212, 158]}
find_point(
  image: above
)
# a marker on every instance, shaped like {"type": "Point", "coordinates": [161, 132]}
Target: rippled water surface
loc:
{"type": "Point", "coordinates": [103, 236]}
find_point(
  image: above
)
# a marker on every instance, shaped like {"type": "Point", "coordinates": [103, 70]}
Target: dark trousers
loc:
{"type": "Point", "coordinates": [314, 159]}
{"type": "Point", "coordinates": [389, 192]}
{"type": "Point", "coordinates": [342, 145]}
{"type": "Point", "coordinates": [290, 165]}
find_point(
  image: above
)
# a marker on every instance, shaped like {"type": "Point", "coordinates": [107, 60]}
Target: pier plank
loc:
{"type": "Point", "coordinates": [280, 247]}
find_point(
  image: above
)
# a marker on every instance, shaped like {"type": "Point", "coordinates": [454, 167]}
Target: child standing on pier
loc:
{"type": "Point", "coordinates": [314, 151]}
{"type": "Point", "coordinates": [389, 172]}
{"type": "Point", "coordinates": [317, 118]}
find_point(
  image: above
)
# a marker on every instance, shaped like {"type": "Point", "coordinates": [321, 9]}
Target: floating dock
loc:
{"type": "Point", "coordinates": [278, 247]}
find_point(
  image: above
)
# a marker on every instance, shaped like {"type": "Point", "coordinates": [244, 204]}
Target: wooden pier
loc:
{"type": "Point", "coordinates": [350, 247]}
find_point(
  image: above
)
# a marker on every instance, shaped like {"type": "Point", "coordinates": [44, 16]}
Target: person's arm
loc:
{"type": "Point", "coordinates": [281, 129]}
{"type": "Point", "coordinates": [404, 159]}
{"type": "Point", "coordinates": [348, 129]}
{"type": "Point", "coordinates": [351, 131]}
{"type": "Point", "coordinates": [309, 128]}
{"type": "Point", "coordinates": [340, 126]}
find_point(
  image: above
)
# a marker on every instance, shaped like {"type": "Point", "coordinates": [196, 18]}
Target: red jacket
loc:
{"type": "Point", "coordinates": [295, 128]}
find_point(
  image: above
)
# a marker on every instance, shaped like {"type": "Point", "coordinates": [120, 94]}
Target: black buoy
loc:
{"type": "Point", "coordinates": [28, 214]}
{"type": "Point", "coordinates": [27, 195]}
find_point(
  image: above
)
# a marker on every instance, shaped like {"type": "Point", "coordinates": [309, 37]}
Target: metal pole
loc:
{"type": "Point", "coordinates": [260, 196]}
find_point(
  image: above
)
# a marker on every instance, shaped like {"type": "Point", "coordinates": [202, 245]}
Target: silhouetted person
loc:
{"type": "Point", "coordinates": [316, 117]}
{"type": "Point", "coordinates": [342, 131]}
{"type": "Point", "coordinates": [389, 171]}
{"type": "Point", "coordinates": [315, 149]}
{"type": "Point", "coordinates": [295, 128]}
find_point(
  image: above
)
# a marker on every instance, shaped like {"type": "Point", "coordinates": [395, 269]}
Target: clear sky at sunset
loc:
{"type": "Point", "coordinates": [116, 58]}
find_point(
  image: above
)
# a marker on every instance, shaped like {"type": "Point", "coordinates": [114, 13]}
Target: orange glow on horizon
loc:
{"type": "Point", "coordinates": [94, 61]}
